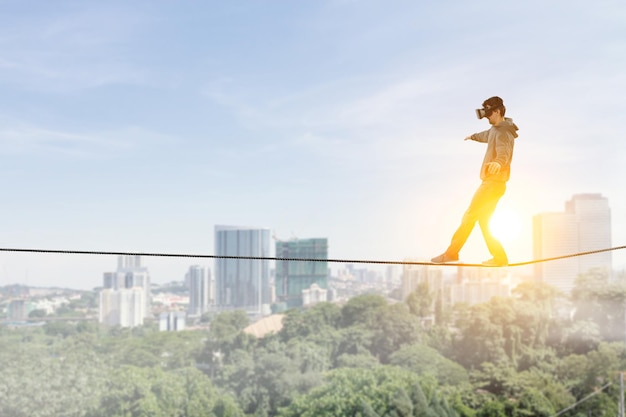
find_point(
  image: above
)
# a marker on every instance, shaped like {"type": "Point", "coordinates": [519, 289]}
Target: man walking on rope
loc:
{"type": "Point", "coordinates": [494, 173]}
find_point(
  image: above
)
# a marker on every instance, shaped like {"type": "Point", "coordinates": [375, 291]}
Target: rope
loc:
{"type": "Point", "coordinates": [596, 392]}
{"type": "Point", "coordinates": [573, 255]}
{"type": "Point", "coordinates": [267, 258]}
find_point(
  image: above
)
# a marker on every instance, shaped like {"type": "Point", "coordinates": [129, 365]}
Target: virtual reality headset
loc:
{"type": "Point", "coordinates": [489, 106]}
{"type": "Point", "coordinates": [485, 111]}
{"type": "Point", "coordinates": [480, 113]}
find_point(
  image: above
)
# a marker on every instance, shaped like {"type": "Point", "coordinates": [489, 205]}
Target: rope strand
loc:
{"type": "Point", "coordinates": [268, 258]}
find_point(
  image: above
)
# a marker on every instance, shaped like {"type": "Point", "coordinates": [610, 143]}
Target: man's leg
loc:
{"type": "Point", "coordinates": [495, 192]}
{"type": "Point", "coordinates": [463, 231]}
{"type": "Point", "coordinates": [470, 217]}
{"type": "Point", "coordinates": [481, 208]}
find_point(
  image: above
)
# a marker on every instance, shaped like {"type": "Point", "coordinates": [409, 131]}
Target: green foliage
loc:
{"type": "Point", "coordinates": [169, 350]}
{"type": "Point", "coordinates": [60, 329]}
{"type": "Point", "coordinates": [235, 377]}
{"type": "Point", "coordinates": [424, 360]}
{"type": "Point", "coordinates": [393, 328]}
{"type": "Point", "coordinates": [226, 336]}
{"type": "Point", "coordinates": [362, 309]}
{"type": "Point", "coordinates": [310, 356]}
{"type": "Point", "coordinates": [37, 314]}
{"type": "Point", "coordinates": [132, 391]}
{"type": "Point", "coordinates": [79, 374]}
{"type": "Point", "coordinates": [481, 339]}
{"type": "Point", "coordinates": [354, 340]}
{"type": "Point", "coordinates": [532, 402]}
{"type": "Point", "coordinates": [87, 300]}
{"type": "Point", "coordinates": [492, 409]}
{"type": "Point", "coordinates": [226, 325]}
{"type": "Point", "coordinates": [318, 323]}
{"type": "Point", "coordinates": [385, 391]}
{"type": "Point", "coordinates": [601, 301]}
{"type": "Point", "coordinates": [363, 360]}
{"type": "Point", "coordinates": [40, 380]}
{"type": "Point", "coordinates": [507, 357]}
{"type": "Point", "coordinates": [420, 301]}
{"type": "Point", "coordinates": [503, 329]}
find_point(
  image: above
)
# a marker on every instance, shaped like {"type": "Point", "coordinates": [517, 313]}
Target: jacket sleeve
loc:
{"type": "Point", "coordinates": [504, 148]}
{"type": "Point", "coordinates": [480, 137]}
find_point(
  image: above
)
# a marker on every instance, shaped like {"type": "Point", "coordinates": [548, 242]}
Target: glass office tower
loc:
{"type": "Point", "coordinates": [241, 276]}
{"type": "Point", "coordinates": [293, 277]}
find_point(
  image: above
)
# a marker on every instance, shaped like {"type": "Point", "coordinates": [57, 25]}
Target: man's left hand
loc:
{"type": "Point", "coordinates": [493, 168]}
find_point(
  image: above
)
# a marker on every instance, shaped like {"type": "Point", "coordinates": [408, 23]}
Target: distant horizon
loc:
{"type": "Point", "coordinates": [375, 265]}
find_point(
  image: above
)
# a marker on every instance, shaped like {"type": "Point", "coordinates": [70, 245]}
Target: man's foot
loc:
{"type": "Point", "coordinates": [444, 258]}
{"type": "Point", "coordinates": [496, 262]}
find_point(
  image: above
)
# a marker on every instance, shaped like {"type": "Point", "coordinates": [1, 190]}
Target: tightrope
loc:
{"type": "Point", "coordinates": [269, 258]}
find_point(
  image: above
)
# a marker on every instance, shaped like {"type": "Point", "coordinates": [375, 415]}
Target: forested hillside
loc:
{"type": "Point", "coordinates": [509, 357]}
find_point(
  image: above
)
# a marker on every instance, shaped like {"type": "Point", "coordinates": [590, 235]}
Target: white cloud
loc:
{"type": "Point", "coordinates": [24, 139]}
{"type": "Point", "coordinates": [66, 50]}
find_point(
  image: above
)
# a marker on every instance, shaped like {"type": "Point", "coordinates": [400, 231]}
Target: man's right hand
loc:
{"type": "Point", "coordinates": [468, 138]}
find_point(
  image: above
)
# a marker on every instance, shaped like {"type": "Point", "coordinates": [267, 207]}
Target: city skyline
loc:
{"type": "Point", "coordinates": [137, 127]}
{"type": "Point", "coordinates": [185, 264]}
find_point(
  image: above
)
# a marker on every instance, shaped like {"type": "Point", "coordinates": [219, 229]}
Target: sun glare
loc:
{"type": "Point", "coordinates": [505, 225]}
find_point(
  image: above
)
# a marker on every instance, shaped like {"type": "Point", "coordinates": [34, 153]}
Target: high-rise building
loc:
{"type": "Point", "coordinates": [242, 268]}
{"type": "Point", "coordinates": [124, 307]}
{"type": "Point", "coordinates": [479, 285]}
{"type": "Point", "coordinates": [201, 290]}
{"type": "Point", "coordinates": [294, 277]}
{"type": "Point", "coordinates": [130, 274]}
{"type": "Point", "coordinates": [414, 275]}
{"type": "Point", "coordinates": [172, 321]}
{"type": "Point", "coordinates": [18, 309]}
{"type": "Point", "coordinates": [584, 226]}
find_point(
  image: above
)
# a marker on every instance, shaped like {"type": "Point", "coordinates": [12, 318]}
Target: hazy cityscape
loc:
{"type": "Point", "coordinates": [127, 297]}
{"type": "Point", "coordinates": [244, 296]}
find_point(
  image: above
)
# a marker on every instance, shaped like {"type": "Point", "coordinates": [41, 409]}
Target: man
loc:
{"type": "Point", "coordinates": [494, 174]}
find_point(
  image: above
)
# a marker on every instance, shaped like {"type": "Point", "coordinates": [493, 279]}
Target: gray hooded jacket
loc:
{"type": "Point", "coordinates": [500, 140]}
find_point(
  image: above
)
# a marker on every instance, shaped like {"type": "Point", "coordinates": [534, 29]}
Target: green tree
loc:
{"type": "Point", "coordinates": [48, 379]}
{"type": "Point", "coordinates": [37, 314]}
{"type": "Point", "coordinates": [354, 340]}
{"type": "Point", "coordinates": [480, 339]}
{"type": "Point", "coordinates": [236, 377]}
{"type": "Point", "coordinates": [581, 336]}
{"type": "Point", "coordinates": [384, 389]}
{"type": "Point", "coordinates": [492, 408]}
{"type": "Point", "coordinates": [225, 336]}
{"type": "Point", "coordinates": [60, 329]}
{"type": "Point", "coordinates": [362, 309]}
{"type": "Point", "coordinates": [422, 359]}
{"type": "Point", "coordinates": [420, 301]}
{"type": "Point", "coordinates": [226, 325]}
{"type": "Point", "coordinates": [532, 402]}
{"type": "Point", "coordinates": [318, 324]}
{"type": "Point", "coordinates": [275, 380]}
{"type": "Point", "coordinates": [309, 356]}
{"type": "Point", "coordinates": [393, 328]}
{"type": "Point", "coordinates": [362, 360]}
{"type": "Point", "coordinates": [602, 301]}
{"type": "Point", "coordinates": [138, 392]}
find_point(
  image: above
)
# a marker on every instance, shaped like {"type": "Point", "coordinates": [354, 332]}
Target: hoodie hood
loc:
{"type": "Point", "coordinates": [508, 125]}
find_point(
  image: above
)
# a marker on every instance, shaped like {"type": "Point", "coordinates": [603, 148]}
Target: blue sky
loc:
{"type": "Point", "coordinates": [139, 126]}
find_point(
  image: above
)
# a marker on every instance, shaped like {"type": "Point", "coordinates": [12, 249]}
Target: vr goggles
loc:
{"type": "Point", "coordinates": [486, 111]}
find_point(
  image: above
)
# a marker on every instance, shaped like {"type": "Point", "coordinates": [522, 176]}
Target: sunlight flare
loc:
{"type": "Point", "coordinates": [506, 225]}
